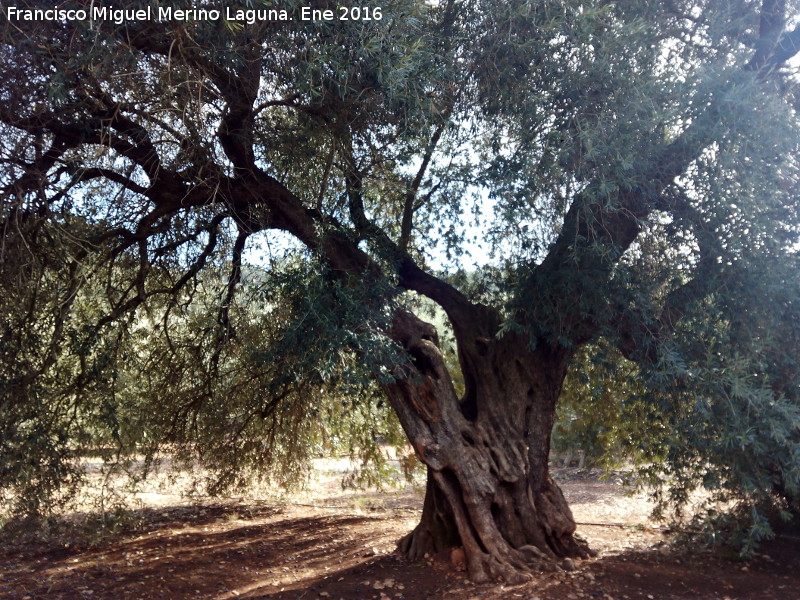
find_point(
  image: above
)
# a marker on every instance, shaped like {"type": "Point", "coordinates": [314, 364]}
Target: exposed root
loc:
{"type": "Point", "coordinates": [416, 544]}
{"type": "Point", "coordinates": [513, 566]}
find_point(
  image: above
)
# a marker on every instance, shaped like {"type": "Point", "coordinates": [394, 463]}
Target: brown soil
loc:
{"type": "Point", "coordinates": [333, 545]}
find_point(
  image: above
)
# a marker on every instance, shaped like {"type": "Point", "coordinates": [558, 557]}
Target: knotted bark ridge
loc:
{"type": "Point", "coordinates": [488, 488]}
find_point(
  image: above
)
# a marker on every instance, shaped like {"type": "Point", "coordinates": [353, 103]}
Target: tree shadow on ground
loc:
{"type": "Point", "coordinates": [222, 552]}
{"type": "Point", "coordinates": [229, 551]}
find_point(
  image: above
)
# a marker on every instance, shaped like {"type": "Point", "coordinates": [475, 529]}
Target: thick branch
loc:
{"type": "Point", "coordinates": [640, 334]}
{"type": "Point", "coordinates": [239, 90]}
{"type": "Point", "coordinates": [771, 27]}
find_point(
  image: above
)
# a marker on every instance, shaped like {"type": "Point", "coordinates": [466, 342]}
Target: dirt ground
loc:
{"type": "Point", "coordinates": [329, 544]}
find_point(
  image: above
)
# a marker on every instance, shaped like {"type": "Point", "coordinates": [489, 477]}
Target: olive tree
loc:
{"type": "Point", "coordinates": [635, 156]}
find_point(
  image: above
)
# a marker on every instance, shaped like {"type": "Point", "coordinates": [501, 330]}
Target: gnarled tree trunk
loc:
{"type": "Point", "coordinates": [489, 488]}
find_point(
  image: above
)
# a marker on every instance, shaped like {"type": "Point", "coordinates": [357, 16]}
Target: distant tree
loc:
{"type": "Point", "coordinates": [601, 417]}
{"type": "Point", "coordinates": [639, 158]}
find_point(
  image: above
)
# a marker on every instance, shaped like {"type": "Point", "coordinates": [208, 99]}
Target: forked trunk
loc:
{"type": "Point", "coordinates": [489, 488]}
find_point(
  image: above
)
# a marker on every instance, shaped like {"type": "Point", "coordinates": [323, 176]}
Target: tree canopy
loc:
{"type": "Point", "coordinates": [206, 222]}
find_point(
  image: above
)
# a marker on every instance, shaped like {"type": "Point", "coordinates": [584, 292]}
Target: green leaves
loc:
{"type": "Point", "coordinates": [633, 174]}
{"type": "Point", "coordinates": [734, 432]}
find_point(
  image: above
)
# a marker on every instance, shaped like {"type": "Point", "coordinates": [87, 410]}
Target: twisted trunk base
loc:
{"type": "Point", "coordinates": [489, 489]}
{"type": "Point", "coordinates": [520, 532]}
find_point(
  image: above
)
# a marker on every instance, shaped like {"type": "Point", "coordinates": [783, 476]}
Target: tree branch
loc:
{"type": "Point", "coordinates": [413, 190]}
{"type": "Point", "coordinates": [771, 27]}
{"type": "Point", "coordinates": [233, 280]}
{"type": "Point", "coordinates": [788, 47]}
{"type": "Point", "coordinates": [89, 173]}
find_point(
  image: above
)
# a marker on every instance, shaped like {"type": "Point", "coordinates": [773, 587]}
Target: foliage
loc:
{"type": "Point", "coordinates": [603, 412]}
{"type": "Point", "coordinates": [734, 415]}
{"type": "Point", "coordinates": [209, 229]}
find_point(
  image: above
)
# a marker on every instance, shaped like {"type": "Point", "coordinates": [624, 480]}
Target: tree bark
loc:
{"type": "Point", "coordinates": [489, 488]}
